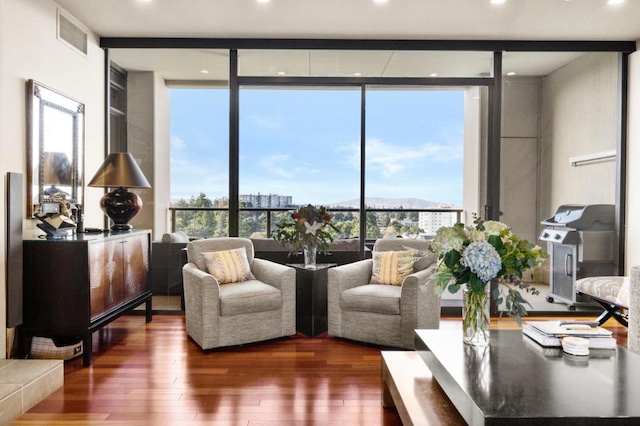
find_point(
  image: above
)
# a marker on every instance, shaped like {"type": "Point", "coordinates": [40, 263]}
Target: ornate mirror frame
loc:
{"type": "Point", "coordinates": [55, 149]}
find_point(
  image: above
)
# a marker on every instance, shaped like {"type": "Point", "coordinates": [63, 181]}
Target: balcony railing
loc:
{"type": "Point", "coordinates": [213, 221]}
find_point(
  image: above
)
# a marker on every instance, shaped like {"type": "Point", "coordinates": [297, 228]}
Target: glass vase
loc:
{"type": "Point", "coordinates": [475, 316]}
{"type": "Point", "coordinates": [310, 257]}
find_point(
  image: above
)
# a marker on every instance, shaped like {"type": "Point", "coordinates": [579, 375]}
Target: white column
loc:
{"type": "Point", "coordinates": [633, 341]}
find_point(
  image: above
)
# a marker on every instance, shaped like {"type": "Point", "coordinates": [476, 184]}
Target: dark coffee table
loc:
{"type": "Point", "coordinates": [515, 381]}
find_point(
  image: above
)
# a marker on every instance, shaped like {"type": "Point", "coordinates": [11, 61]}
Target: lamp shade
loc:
{"type": "Point", "coordinates": [119, 170]}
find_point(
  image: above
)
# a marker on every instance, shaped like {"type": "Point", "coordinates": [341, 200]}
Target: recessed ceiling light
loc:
{"type": "Point", "coordinates": [204, 71]}
{"type": "Point", "coordinates": [613, 2]}
{"type": "Point", "coordinates": [263, 1]}
{"type": "Point", "coordinates": [498, 1]}
{"type": "Point", "coordinates": [281, 73]}
{"type": "Point", "coordinates": [433, 74]}
{"type": "Point", "coordinates": [380, 1]}
{"type": "Point", "coordinates": [357, 74]}
{"type": "Point", "coordinates": [511, 73]}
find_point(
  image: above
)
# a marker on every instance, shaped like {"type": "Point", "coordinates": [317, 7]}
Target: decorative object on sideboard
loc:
{"type": "Point", "coordinates": [120, 171]}
{"type": "Point", "coordinates": [55, 149]}
{"type": "Point", "coordinates": [56, 226]}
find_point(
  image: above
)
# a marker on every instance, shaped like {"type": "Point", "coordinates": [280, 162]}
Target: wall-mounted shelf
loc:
{"type": "Point", "coordinates": [579, 160]}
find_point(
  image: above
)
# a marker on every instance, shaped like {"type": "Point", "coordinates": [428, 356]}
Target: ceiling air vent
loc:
{"type": "Point", "coordinates": [73, 35]}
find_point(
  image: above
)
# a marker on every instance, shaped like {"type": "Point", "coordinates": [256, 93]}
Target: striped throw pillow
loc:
{"type": "Point", "coordinates": [392, 267]}
{"type": "Point", "coordinates": [228, 266]}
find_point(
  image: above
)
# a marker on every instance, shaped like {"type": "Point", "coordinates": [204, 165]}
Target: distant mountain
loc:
{"type": "Point", "coordinates": [389, 203]}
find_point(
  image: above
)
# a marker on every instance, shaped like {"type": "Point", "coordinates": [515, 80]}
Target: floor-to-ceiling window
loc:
{"type": "Point", "coordinates": [199, 160]}
{"type": "Point", "coordinates": [298, 146]}
{"type": "Point", "coordinates": [399, 70]}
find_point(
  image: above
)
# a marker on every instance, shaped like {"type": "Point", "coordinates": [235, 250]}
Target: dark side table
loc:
{"type": "Point", "coordinates": [311, 298]}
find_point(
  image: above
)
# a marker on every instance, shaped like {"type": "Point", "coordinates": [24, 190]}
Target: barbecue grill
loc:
{"type": "Point", "coordinates": [580, 242]}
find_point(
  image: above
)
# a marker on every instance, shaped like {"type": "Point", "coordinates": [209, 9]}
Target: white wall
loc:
{"type": "Point", "coordinates": [633, 171]}
{"type": "Point", "coordinates": [29, 49]}
{"type": "Point", "coordinates": [161, 189]}
{"type": "Point", "coordinates": [579, 110]}
{"type": "Point", "coordinates": [473, 195]}
{"type": "Point", "coordinates": [4, 167]}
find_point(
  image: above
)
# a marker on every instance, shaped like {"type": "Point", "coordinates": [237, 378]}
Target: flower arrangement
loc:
{"type": "Point", "coordinates": [306, 228]}
{"type": "Point", "coordinates": [478, 254]}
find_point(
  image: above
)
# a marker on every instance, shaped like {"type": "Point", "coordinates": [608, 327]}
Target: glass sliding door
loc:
{"type": "Point", "coordinates": [298, 146]}
{"type": "Point", "coordinates": [414, 159]}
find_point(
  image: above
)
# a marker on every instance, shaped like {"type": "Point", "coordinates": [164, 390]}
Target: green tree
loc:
{"type": "Point", "coordinates": [373, 230]}
{"type": "Point", "coordinates": [201, 224]}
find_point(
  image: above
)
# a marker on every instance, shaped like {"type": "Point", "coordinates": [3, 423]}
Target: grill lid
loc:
{"type": "Point", "coordinates": [595, 217]}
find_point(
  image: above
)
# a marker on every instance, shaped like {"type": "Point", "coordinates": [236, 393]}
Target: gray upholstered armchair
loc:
{"type": "Point", "coordinates": [378, 313]}
{"type": "Point", "coordinates": [259, 308]}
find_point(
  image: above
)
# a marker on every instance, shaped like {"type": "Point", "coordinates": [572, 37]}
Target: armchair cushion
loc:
{"type": "Point", "coordinates": [392, 267]}
{"type": "Point", "coordinates": [228, 266]}
{"type": "Point", "coordinates": [248, 297]}
{"type": "Point", "coordinates": [383, 299]}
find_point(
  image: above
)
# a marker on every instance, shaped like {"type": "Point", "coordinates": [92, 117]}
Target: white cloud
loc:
{"type": "Point", "coordinates": [391, 159]}
{"type": "Point", "coordinates": [284, 166]}
{"type": "Point", "coordinates": [265, 122]}
{"type": "Point", "coordinates": [277, 165]}
{"type": "Point", "coordinates": [177, 143]}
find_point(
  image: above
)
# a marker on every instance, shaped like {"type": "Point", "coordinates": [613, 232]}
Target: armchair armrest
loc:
{"type": "Point", "coordinates": [351, 275]}
{"type": "Point", "coordinates": [342, 278]}
{"type": "Point", "coordinates": [274, 274]}
{"type": "Point", "coordinates": [201, 298]}
{"type": "Point", "coordinates": [419, 303]}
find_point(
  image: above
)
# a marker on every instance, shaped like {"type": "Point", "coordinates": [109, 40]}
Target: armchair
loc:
{"type": "Point", "coordinates": [379, 313]}
{"type": "Point", "coordinates": [260, 308]}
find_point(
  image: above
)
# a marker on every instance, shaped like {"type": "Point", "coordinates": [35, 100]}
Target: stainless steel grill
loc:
{"type": "Point", "coordinates": [580, 242]}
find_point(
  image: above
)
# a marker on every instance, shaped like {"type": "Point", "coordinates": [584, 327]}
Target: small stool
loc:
{"type": "Point", "coordinates": [612, 293]}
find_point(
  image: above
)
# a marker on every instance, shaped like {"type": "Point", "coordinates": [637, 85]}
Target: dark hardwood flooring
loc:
{"type": "Point", "coordinates": [153, 374]}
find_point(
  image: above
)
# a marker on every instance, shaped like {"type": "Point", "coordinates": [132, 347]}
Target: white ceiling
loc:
{"type": "Point", "coordinates": [355, 19]}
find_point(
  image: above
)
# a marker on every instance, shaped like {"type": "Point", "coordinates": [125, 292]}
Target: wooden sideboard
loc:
{"type": "Point", "coordinates": [77, 285]}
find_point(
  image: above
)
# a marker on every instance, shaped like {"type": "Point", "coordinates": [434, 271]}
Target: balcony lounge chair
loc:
{"type": "Point", "coordinates": [612, 293]}
{"type": "Point", "coordinates": [379, 313]}
{"type": "Point", "coordinates": [258, 303]}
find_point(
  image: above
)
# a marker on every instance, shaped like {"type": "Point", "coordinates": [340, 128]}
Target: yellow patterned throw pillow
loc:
{"type": "Point", "coordinates": [392, 267]}
{"type": "Point", "coordinates": [228, 266]}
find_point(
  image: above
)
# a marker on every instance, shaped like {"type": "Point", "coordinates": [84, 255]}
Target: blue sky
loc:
{"type": "Point", "coordinates": [306, 143]}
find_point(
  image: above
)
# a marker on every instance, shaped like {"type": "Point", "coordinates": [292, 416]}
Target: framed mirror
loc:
{"type": "Point", "coordinates": [55, 143]}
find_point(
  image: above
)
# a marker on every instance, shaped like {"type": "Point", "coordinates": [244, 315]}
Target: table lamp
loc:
{"type": "Point", "coordinates": [120, 171]}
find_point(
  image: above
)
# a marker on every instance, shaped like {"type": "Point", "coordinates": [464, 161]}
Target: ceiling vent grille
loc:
{"type": "Point", "coordinates": [71, 34]}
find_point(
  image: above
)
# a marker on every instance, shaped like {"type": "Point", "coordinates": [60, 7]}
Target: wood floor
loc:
{"type": "Point", "coordinates": [153, 374]}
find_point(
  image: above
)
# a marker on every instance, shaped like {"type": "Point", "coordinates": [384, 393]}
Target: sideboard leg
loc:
{"type": "Point", "coordinates": [87, 349]}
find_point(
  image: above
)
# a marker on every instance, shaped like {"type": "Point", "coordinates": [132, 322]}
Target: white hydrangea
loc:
{"type": "Point", "coordinates": [475, 235]}
{"type": "Point", "coordinates": [492, 227]}
{"type": "Point", "coordinates": [447, 238]}
{"type": "Point", "coordinates": [482, 259]}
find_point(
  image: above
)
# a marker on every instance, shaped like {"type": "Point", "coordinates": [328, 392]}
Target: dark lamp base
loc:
{"type": "Point", "coordinates": [121, 206]}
